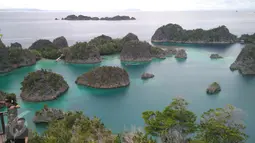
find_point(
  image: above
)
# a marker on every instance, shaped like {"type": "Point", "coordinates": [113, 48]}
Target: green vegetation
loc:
{"type": "Point", "coordinates": [107, 45]}
{"type": "Point", "coordinates": [48, 53]}
{"type": "Point", "coordinates": [248, 38]}
{"type": "Point", "coordinates": [104, 77]}
{"type": "Point", "coordinates": [175, 124]}
{"type": "Point", "coordinates": [34, 82]}
{"type": "Point", "coordinates": [175, 33]}
{"type": "Point", "coordinates": [9, 96]}
{"type": "Point", "coordinates": [81, 51]}
{"type": "Point", "coordinates": [37, 54]}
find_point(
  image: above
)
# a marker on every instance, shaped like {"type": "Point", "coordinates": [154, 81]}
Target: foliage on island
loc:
{"type": "Point", "coordinates": [13, 58]}
{"type": "Point", "coordinates": [47, 114]}
{"type": "Point", "coordinates": [158, 52]}
{"type": "Point", "coordinates": [245, 61]}
{"type": "Point", "coordinates": [136, 51]}
{"type": "Point", "coordinates": [2, 44]}
{"type": "Point", "coordinates": [248, 38]}
{"type": "Point", "coordinates": [46, 49]}
{"type": "Point", "coordinates": [42, 85]}
{"type": "Point", "coordinates": [82, 17]}
{"type": "Point", "coordinates": [107, 45]}
{"type": "Point", "coordinates": [4, 95]}
{"type": "Point", "coordinates": [82, 52]}
{"type": "Point", "coordinates": [104, 77]}
{"type": "Point", "coordinates": [175, 33]}
{"type": "Point", "coordinates": [175, 124]}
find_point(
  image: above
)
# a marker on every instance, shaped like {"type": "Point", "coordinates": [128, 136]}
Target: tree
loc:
{"type": "Point", "coordinates": [222, 125]}
{"type": "Point", "coordinates": [173, 124]}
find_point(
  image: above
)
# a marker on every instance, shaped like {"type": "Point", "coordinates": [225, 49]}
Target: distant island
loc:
{"type": "Point", "coordinates": [82, 17]}
{"type": "Point", "coordinates": [174, 33]}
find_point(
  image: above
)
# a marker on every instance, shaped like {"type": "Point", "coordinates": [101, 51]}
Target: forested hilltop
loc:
{"type": "Point", "coordinates": [176, 34]}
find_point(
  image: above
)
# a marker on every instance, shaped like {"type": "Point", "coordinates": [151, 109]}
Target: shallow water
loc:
{"type": "Point", "coordinates": [120, 109]}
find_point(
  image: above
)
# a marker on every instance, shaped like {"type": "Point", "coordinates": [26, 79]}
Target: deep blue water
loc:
{"type": "Point", "coordinates": [121, 109]}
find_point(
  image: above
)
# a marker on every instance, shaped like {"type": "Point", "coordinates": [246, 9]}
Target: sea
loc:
{"type": "Point", "coordinates": [121, 109]}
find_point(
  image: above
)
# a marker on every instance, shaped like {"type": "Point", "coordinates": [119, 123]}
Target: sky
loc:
{"type": "Point", "coordinates": [115, 5]}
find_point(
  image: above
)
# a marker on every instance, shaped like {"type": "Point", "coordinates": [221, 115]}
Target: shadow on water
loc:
{"type": "Point", "coordinates": [135, 69]}
{"type": "Point", "coordinates": [104, 93]}
{"type": "Point", "coordinates": [179, 60]}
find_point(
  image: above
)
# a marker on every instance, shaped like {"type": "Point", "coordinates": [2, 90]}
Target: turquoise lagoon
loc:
{"type": "Point", "coordinates": [121, 109]}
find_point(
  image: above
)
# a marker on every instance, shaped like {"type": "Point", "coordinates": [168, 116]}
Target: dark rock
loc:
{"type": "Point", "coordinates": [41, 44]}
{"type": "Point", "coordinates": [71, 17]}
{"type": "Point", "coordinates": [47, 115]}
{"type": "Point", "coordinates": [181, 54]}
{"type": "Point", "coordinates": [147, 76]}
{"type": "Point", "coordinates": [56, 18]}
{"type": "Point", "coordinates": [245, 62]}
{"type": "Point", "coordinates": [49, 86]}
{"type": "Point", "coordinates": [136, 51]}
{"type": "Point", "coordinates": [2, 44]}
{"type": "Point", "coordinates": [104, 77]}
{"type": "Point", "coordinates": [16, 45]}
{"type": "Point", "coordinates": [82, 53]}
{"type": "Point", "coordinates": [130, 37]}
{"type": "Point", "coordinates": [132, 18]}
{"type": "Point", "coordinates": [213, 88]}
{"type": "Point", "coordinates": [176, 34]}
{"type": "Point", "coordinates": [215, 56]}
{"type": "Point", "coordinates": [60, 42]}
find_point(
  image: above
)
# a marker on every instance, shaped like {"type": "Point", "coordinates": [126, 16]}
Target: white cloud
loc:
{"type": "Point", "coordinates": [113, 5]}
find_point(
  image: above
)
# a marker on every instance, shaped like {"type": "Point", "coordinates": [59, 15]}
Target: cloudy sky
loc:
{"type": "Point", "coordinates": [113, 5]}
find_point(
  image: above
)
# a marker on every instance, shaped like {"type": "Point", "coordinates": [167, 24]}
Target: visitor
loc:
{"type": "Point", "coordinates": [21, 131]}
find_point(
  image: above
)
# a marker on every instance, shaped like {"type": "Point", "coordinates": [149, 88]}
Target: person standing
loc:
{"type": "Point", "coordinates": [21, 132]}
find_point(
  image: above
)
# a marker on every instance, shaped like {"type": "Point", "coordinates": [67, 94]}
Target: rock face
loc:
{"type": "Point", "coordinates": [213, 88]}
{"type": "Point", "coordinates": [246, 38]}
{"type": "Point", "coordinates": [158, 53]}
{"type": "Point", "coordinates": [47, 115]}
{"type": "Point", "coordinates": [15, 58]}
{"type": "Point", "coordinates": [104, 77]}
{"type": "Point", "coordinates": [2, 44]}
{"type": "Point", "coordinates": [171, 51]}
{"type": "Point", "coordinates": [82, 53]}
{"type": "Point", "coordinates": [16, 45]}
{"type": "Point", "coordinates": [41, 44]}
{"type": "Point", "coordinates": [245, 62]}
{"type": "Point", "coordinates": [215, 56]}
{"type": "Point", "coordinates": [82, 17]}
{"type": "Point", "coordinates": [147, 75]}
{"type": "Point", "coordinates": [130, 37]}
{"type": "Point", "coordinates": [174, 33]}
{"type": "Point", "coordinates": [42, 85]}
{"type": "Point", "coordinates": [181, 54]}
{"type": "Point", "coordinates": [60, 42]}
{"type": "Point", "coordinates": [136, 51]}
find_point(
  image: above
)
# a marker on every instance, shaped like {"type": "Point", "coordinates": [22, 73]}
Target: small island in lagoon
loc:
{"type": "Point", "coordinates": [46, 115]}
{"type": "Point", "coordinates": [43, 85]}
{"type": "Point", "coordinates": [104, 77]}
